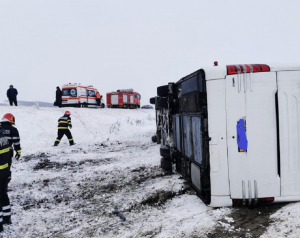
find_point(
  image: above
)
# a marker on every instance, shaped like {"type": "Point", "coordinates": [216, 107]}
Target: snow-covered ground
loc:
{"type": "Point", "coordinates": [72, 191]}
{"type": "Point", "coordinates": [286, 222]}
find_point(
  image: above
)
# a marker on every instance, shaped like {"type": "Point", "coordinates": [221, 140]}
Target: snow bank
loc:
{"type": "Point", "coordinates": [38, 127]}
{"type": "Point", "coordinates": [286, 222]}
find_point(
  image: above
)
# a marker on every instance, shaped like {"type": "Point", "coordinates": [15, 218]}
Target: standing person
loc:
{"type": "Point", "coordinates": [11, 133]}
{"type": "Point", "coordinates": [63, 128]}
{"type": "Point", "coordinates": [4, 174]}
{"type": "Point", "coordinates": [98, 98]}
{"type": "Point", "coordinates": [12, 95]}
{"type": "Point", "coordinates": [58, 96]}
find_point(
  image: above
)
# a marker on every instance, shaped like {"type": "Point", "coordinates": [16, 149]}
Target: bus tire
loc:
{"type": "Point", "coordinates": [166, 164]}
{"type": "Point", "coordinates": [165, 151]}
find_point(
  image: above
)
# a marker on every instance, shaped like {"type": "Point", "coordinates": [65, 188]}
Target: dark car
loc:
{"type": "Point", "coordinates": [147, 107]}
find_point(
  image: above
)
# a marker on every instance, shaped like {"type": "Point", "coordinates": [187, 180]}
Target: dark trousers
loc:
{"type": "Point", "coordinates": [4, 202]}
{"type": "Point", "coordinates": [98, 101]}
{"type": "Point", "coordinates": [11, 154]}
{"type": "Point", "coordinates": [61, 133]}
{"type": "Point", "coordinates": [9, 164]}
{"type": "Point", "coordinates": [11, 101]}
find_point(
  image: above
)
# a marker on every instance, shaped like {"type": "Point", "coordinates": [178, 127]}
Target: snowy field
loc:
{"type": "Point", "coordinates": [72, 191]}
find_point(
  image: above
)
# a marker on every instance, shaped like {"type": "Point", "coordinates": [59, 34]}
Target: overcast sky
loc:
{"type": "Point", "coordinates": [137, 44]}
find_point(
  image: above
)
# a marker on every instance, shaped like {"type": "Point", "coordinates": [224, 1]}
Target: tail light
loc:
{"type": "Point", "coordinates": [269, 199]}
{"type": "Point", "coordinates": [238, 202]}
{"type": "Point", "coordinates": [241, 68]}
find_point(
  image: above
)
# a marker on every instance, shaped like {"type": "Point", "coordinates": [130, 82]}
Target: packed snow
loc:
{"type": "Point", "coordinates": [75, 191]}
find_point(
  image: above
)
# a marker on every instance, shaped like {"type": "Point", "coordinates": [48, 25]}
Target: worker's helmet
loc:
{"type": "Point", "coordinates": [67, 113]}
{"type": "Point", "coordinates": [9, 118]}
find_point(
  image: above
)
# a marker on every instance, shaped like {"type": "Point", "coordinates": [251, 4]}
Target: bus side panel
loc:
{"type": "Point", "coordinates": [289, 131]}
{"type": "Point", "coordinates": [262, 164]}
{"type": "Point", "coordinates": [217, 132]}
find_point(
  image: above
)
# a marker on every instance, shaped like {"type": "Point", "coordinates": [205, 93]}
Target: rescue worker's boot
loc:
{"type": "Point", "coordinates": [6, 220]}
{"type": "Point", "coordinates": [6, 214]}
{"type": "Point", "coordinates": [56, 143]}
{"type": "Point", "coordinates": [71, 141]}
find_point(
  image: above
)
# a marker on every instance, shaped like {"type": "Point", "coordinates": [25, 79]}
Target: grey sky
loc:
{"type": "Point", "coordinates": [136, 44]}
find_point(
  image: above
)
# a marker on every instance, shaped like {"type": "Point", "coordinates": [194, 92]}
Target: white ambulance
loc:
{"type": "Point", "coordinates": [234, 133]}
{"type": "Point", "coordinates": [76, 95]}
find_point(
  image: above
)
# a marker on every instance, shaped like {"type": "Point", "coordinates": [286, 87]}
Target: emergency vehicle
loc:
{"type": "Point", "coordinates": [123, 98]}
{"type": "Point", "coordinates": [233, 132]}
{"type": "Point", "coordinates": [76, 95]}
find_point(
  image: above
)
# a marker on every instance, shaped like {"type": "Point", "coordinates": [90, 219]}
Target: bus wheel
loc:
{"type": "Point", "coordinates": [165, 151]}
{"type": "Point", "coordinates": [166, 164]}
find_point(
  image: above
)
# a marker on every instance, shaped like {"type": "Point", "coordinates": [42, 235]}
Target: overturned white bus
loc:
{"type": "Point", "coordinates": [233, 132]}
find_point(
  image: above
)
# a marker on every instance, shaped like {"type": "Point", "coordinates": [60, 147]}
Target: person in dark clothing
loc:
{"type": "Point", "coordinates": [98, 99]}
{"type": "Point", "coordinates": [63, 128]}
{"type": "Point", "coordinates": [5, 160]}
{"type": "Point", "coordinates": [4, 174]}
{"type": "Point", "coordinates": [12, 95]}
{"type": "Point", "coordinates": [58, 96]}
{"type": "Point", "coordinates": [12, 134]}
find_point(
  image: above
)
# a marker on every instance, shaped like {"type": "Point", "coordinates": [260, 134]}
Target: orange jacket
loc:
{"type": "Point", "coordinates": [97, 95]}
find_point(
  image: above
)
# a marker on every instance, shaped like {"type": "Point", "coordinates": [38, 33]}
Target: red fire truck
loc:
{"type": "Point", "coordinates": [123, 98]}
